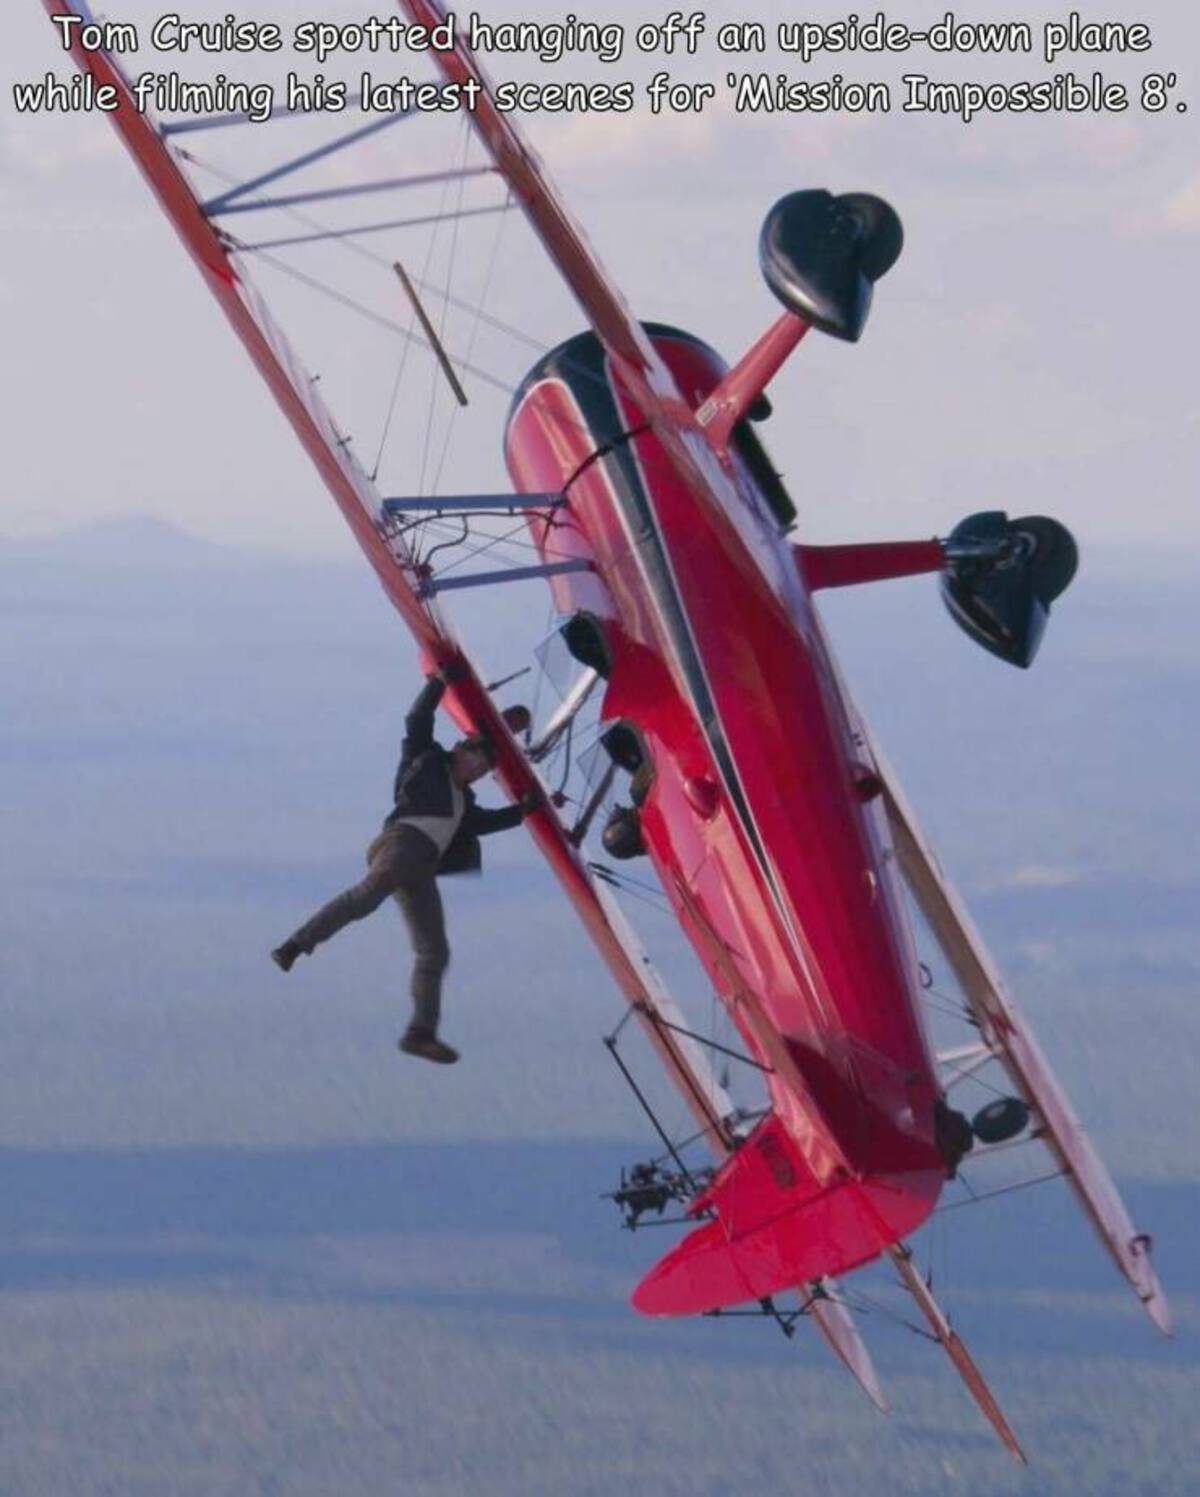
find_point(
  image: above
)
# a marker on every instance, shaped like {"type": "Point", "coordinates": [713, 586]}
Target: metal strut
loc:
{"type": "Point", "coordinates": [219, 204]}
{"type": "Point", "coordinates": [431, 334]}
{"type": "Point", "coordinates": [701, 1039]}
{"type": "Point", "coordinates": [377, 228]}
{"type": "Point", "coordinates": [358, 189]}
{"type": "Point", "coordinates": [224, 121]}
{"type": "Point", "coordinates": [610, 1044]}
{"type": "Point", "coordinates": [432, 585]}
{"type": "Point", "coordinates": [484, 504]}
{"type": "Point", "coordinates": [767, 1310]}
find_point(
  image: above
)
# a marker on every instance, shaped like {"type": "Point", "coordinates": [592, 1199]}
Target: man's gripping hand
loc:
{"type": "Point", "coordinates": [538, 800]}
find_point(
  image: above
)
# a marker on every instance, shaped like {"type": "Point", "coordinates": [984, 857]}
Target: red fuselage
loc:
{"type": "Point", "coordinates": [760, 813]}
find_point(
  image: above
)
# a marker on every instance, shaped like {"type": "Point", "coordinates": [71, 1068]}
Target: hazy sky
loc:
{"type": "Point", "coordinates": [1033, 349]}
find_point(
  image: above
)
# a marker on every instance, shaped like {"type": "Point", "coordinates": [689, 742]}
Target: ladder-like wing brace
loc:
{"type": "Point", "coordinates": [1006, 1032]}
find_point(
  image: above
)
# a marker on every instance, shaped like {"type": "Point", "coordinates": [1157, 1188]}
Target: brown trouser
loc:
{"type": "Point", "coordinates": [401, 862]}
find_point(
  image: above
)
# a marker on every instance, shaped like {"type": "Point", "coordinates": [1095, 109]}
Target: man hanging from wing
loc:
{"type": "Point", "coordinates": [434, 828]}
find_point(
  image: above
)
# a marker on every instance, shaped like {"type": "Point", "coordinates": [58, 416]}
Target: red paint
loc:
{"type": "Point", "coordinates": [846, 566]}
{"type": "Point", "coordinates": [746, 381]}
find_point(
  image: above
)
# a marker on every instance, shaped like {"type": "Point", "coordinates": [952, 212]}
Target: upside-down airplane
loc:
{"type": "Point", "coordinates": [775, 827]}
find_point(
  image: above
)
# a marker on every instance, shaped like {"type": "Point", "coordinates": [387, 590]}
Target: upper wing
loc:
{"type": "Point", "coordinates": [1007, 1034]}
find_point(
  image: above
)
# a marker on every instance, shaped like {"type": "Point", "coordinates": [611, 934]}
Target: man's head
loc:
{"type": "Point", "coordinates": [517, 719]}
{"type": "Point", "coordinates": [471, 758]}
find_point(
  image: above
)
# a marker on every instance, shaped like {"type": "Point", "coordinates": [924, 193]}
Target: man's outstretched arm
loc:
{"type": "Point", "coordinates": [418, 724]}
{"type": "Point", "coordinates": [481, 822]}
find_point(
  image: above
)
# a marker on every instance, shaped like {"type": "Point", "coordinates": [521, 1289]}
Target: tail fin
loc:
{"type": "Point", "coordinates": [776, 1225]}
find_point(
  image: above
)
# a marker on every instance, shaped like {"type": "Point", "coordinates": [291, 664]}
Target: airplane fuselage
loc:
{"type": "Point", "coordinates": [758, 800]}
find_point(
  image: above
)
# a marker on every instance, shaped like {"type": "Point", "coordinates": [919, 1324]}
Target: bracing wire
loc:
{"type": "Point", "coordinates": [450, 271]}
{"type": "Point", "coordinates": [501, 220]}
{"type": "Point", "coordinates": [435, 386]}
{"type": "Point", "coordinates": [378, 318]}
{"type": "Point", "coordinates": [364, 252]}
{"type": "Point", "coordinates": [1002, 1190]}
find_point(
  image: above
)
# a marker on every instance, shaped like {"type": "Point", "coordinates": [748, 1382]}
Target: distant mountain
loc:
{"type": "Point", "coordinates": [130, 540]}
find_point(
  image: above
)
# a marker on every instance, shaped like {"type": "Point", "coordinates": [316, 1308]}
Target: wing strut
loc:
{"type": "Point", "coordinates": [222, 203]}
{"type": "Point", "coordinates": [901, 1255]}
{"type": "Point", "coordinates": [1005, 1030]}
{"type": "Point", "coordinates": [435, 342]}
{"type": "Point", "coordinates": [839, 1331]}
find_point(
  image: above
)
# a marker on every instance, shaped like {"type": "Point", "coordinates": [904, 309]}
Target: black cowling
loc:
{"type": "Point", "coordinates": [622, 835]}
{"type": "Point", "coordinates": [821, 256]}
{"type": "Point", "coordinates": [1002, 576]}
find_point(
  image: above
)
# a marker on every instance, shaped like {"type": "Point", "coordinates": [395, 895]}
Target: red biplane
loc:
{"type": "Point", "coordinates": [775, 828]}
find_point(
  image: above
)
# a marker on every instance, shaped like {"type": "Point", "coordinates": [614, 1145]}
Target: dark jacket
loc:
{"type": "Point", "coordinates": [423, 787]}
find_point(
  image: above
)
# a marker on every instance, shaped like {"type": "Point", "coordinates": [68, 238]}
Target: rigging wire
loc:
{"type": "Point", "coordinates": [959, 1075]}
{"type": "Point", "coordinates": [363, 252]}
{"type": "Point", "coordinates": [865, 1304]}
{"type": "Point", "coordinates": [377, 317]}
{"type": "Point", "coordinates": [435, 386]}
{"type": "Point", "coordinates": [614, 882]}
{"type": "Point", "coordinates": [412, 318]}
{"type": "Point", "coordinates": [432, 288]}
{"type": "Point", "coordinates": [961, 1014]}
{"type": "Point", "coordinates": [483, 550]}
{"type": "Point", "coordinates": [514, 546]}
{"type": "Point", "coordinates": [493, 257]}
{"type": "Point", "coordinates": [1003, 1190]}
{"type": "Point", "coordinates": [454, 409]}
{"type": "Point", "coordinates": [541, 677]}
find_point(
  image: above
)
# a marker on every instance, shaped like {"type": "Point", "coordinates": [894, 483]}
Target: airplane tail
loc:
{"type": "Point", "coordinates": [775, 1225]}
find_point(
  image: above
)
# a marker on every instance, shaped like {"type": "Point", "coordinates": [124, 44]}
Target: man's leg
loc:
{"type": "Point", "coordinates": [421, 905]}
{"type": "Point", "coordinates": [355, 903]}
{"type": "Point", "coordinates": [352, 904]}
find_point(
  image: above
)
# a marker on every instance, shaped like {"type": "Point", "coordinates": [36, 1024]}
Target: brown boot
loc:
{"type": "Point", "coordinates": [284, 956]}
{"type": "Point", "coordinates": [421, 1042]}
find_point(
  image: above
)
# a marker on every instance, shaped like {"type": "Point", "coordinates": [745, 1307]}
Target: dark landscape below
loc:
{"type": "Point", "coordinates": [246, 1248]}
